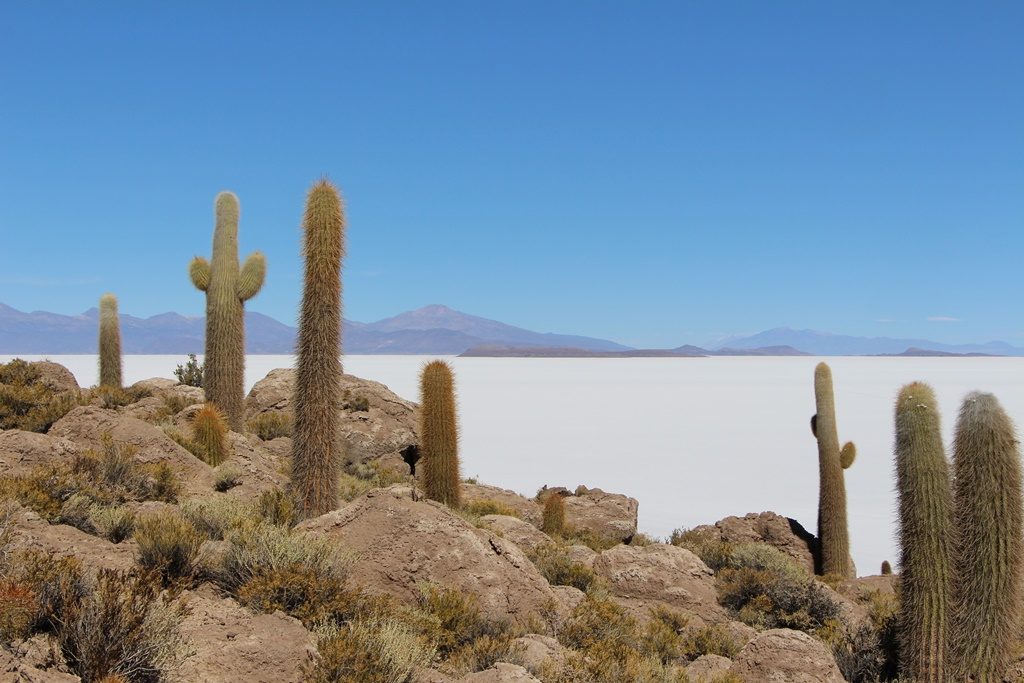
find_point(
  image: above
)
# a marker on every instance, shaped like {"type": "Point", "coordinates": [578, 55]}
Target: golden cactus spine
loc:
{"type": "Point", "coordinates": [925, 535]}
{"type": "Point", "coordinates": [439, 434]}
{"type": "Point", "coordinates": [110, 342]}
{"type": "Point", "coordinates": [988, 536]}
{"type": "Point", "coordinates": [315, 456]}
{"type": "Point", "coordinates": [553, 516]}
{"type": "Point", "coordinates": [227, 287]}
{"type": "Point", "coordinates": [210, 434]}
{"type": "Point", "coordinates": [833, 533]}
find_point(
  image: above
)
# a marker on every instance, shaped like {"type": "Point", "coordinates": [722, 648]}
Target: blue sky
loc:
{"type": "Point", "coordinates": [655, 173]}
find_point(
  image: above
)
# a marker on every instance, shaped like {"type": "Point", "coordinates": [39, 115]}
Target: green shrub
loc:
{"type": "Point", "coordinates": [28, 404]}
{"type": "Point", "coordinates": [370, 651]}
{"type": "Point", "coordinates": [215, 516]}
{"type": "Point", "coordinates": [705, 544]}
{"type": "Point", "coordinates": [269, 426]}
{"type": "Point", "coordinates": [555, 565]}
{"type": "Point", "coordinates": [168, 544]}
{"type": "Point", "coordinates": [258, 548]}
{"type": "Point", "coordinates": [191, 373]}
{"type": "Point", "coordinates": [485, 506]}
{"type": "Point", "coordinates": [458, 619]}
{"type": "Point", "coordinates": [226, 477]}
{"type": "Point", "coordinates": [110, 477]}
{"type": "Point", "coordinates": [54, 582]}
{"type": "Point", "coordinates": [114, 523]}
{"type": "Point", "coordinates": [313, 597]}
{"type": "Point", "coordinates": [277, 507]}
{"type": "Point", "coordinates": [17, 610]}
{"type": "Point", "coordinates": [768, 599]}
{"type": "Point", "coordinates": [122, 627]}
{"type": "Point", "coordinates": [112, 397]}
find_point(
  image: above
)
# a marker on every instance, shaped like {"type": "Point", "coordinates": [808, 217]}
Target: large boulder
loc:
{"type": "Point", "coordinates": [31, 532]}
{"type": "Point", "coordinates": [524, 507]}
{"type": "Point", "coordinates": [86, 426]}
{"type": "Point", "coordinates": [533, 651]}
{"type": "Point", "coordinates": [785, 656]}
{"type": "Point", "coordinates": [501, 672]}
{"type": "Point", "coordinates": [608, 515]}
{"type": "Point", "coordinates": [259, 468]}
{"type": "Point", "coordinates": [55, 376]}
{"type": "Point", "coordinates": [400, 543]}
{"type": "Point", "coordinates": [783, 533]}
{"type": "Point", "coordinates": [374, 422]}
{"type": "Point", "coordinates": [161, 387]}
{"type": "Point", "coordinates": [523, 534]}
{"type": "Point", "coordinates": [233, 644]}
{"type": "Point", "coordinates": [708, 668]}
{"type": "Point", "coordinates": [21, 452]}
{"type": "Point", "coordinates": [642, 577]}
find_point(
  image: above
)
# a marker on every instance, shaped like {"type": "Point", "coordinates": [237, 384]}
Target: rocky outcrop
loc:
{"type": "Point", "coordinates": [787, 535]}
{"type": "Point", "coordinates": [374, 421]}
{"type": "Point", "coordinates": [523, 534]}
{"type": "Point", "coordinates": [159, 387]}
{"type": "Point", "coordinates": [55, 376]}
{"type": "Point", "coordinates": [36, 660]}
{"type": "Point", "coordinates": [608, 515]}
{"type": "Point", "coordinates": [31, 532]}
{"type": "Point", "coordinates": [233, 644]}
{"type": "Point", "coordinates": [525, 508]}
{"type": "Point", "coordinates": [534, 650]}
{"type": "Point", "coordinates": [501, 673]}
{"type": "Point", "coordinates": [641, 577]}
{"type": "Point", "coordinates": [399, 543]}
{"type": "Point", "coordinates": [21, 452]}
{"type": "Point", "coordinates": [86, 426]}
{"type": "Point", "coordinates": [785, 656]}
{"type": "Point", "coordinates": [259, 468]}
{"type": "Point", "coordinates": [707, 668]}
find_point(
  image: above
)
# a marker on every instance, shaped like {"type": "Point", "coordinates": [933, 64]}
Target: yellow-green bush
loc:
{"type": "Point", "coordinates": [268, 426]}
{"type": "Point", "coordinates": [28, 404]}
{"type": "Point", "coordinates": [312, 596]}
{"type": "Point", "coordinates": [168, 544]}
{"type": "Point", "coordinates": [486, 506]}
{"type": "Point", "coordinates": [370, 651]}
{"type": "Point", "coordinates": [18, 610]}
{"type": "Point", "coordinates": [114, 523]}
{"type": "Point", "coordinates": [555, 565]}
{"type": "Point", "coordinates": [54, 582]}
{"type": "Point", "coordinates": [122, 627]}
{"type": "Point", "coordinates": [769, 599]}
{"type": "Point", "coordinates": [110, 477]}
{"type": "Point", "coordinates": [277, 507]}
{"type": "Point", "coordinates": [553, 520]}
{"type": "Point", "coordinates": [259, 548]}
{"type": "Point", "coordinates": [226, 477]}
{"type": "Point", "coordinates": [705, 544]}
{"type": "Point", "coordinates": [214, 516]}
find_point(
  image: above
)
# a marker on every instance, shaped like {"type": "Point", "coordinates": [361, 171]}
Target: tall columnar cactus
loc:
{"type": "Point", "coordinates": [315, 456]}
{"type": "Point", "coordinates": [988, 553]}
{"type": "Point", "coordinates": [925, 534]}
{"type": "Point", "coordinates": [110, 342]}
{"type": "Point", "coordinates": [439, 434]}
{"type": "Point", "coordinates": [833, 534]}
{"type": "Point", "coordinates": [227, 289]}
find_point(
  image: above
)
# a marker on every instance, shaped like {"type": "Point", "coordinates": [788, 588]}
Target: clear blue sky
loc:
{"type": "Point", "coordinates": [655, 173]}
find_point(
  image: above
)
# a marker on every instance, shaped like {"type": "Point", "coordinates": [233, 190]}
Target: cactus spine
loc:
{"type": "Point", "coordinates": [439, 434]}
{"type": "Point", "coordinates": [315, 457]}
{"type": "Point", "coordinates": [227, 288]}
{"type": "Point", "coordinates": [210, 433]}
{"type": "Point", "coordinates": [110, 342]}
{"type": "Point", "coordinates": [987, 560]}
{"type": "Point", "coordinates": [925, 534]}
{"type": "Point", "coordinates": [833, 534]}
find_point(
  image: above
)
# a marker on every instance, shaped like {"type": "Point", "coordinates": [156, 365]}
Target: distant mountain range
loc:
{"type": "Point", "coordinates": [433, 330]}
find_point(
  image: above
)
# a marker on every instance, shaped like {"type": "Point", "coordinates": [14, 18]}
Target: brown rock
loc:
{"type": "Point", "coordinates": [55, 376]}
{"type": "Point", "coordinates": [21, 452]}
{"type": "Point", "coordinates": [31, 532]}
{"type": "Point", "coordinates": [260, 468]}
{"type": "Point", "coordinates": [533, 650]}
{"type": "Point", "coordinates": [86, 426]}
{"type": "Point", "coordinates": [146, 409]}
{"type": "Point", "coordinates": [159, 387]}
{"type": "Point", "coordinates": [780, 532]}
{"type": "Point", "coordinates": [36, 660]}
{"type": "Point", "coordinates": [501, 673]}
{"type": "Point", "coordinates": [233, 644]}
{"type": "Point", "coordinates": [706, 668]}
{"type": "Point", "coordinates": [387, 426]}
{"type": "Point", "coordinates": [526, 508]}
{"type": "Point", "coordinates": [569, 597]}
{"type": "Point", "coordinates": [785, 656]}
{"type": "Point", "coordinates": [582, 554]}
{"type": "Point", "coordinates": [641, 577]}
{"type": "Point", "coordinates": [399, 543]}
{"type": "Point", "coordinates": [608, 515]}
{"type": "Point", "coordinates": [523, 534]}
